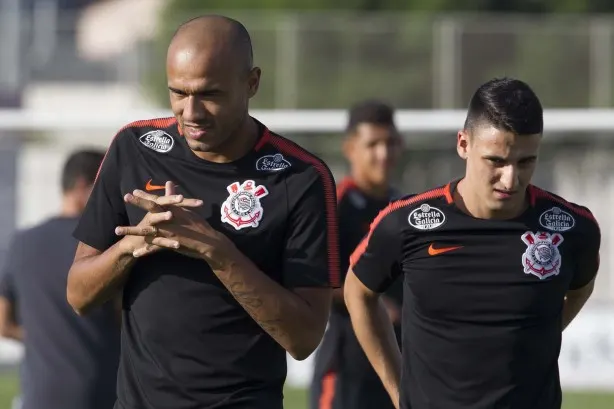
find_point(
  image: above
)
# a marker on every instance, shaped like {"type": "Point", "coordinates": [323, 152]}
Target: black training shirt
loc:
{"type": "Point", "coordinates": [186, 342]}
{"type": "Point", "coordinates": [483, 299]}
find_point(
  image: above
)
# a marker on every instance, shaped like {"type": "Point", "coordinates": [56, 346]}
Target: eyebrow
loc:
{"type": "Point", "coordinates": [523, 159]}
{"type": "Point", "coordinates": [202, 91]}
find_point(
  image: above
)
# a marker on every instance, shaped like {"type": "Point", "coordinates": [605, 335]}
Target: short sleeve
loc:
{"type": "Point", "coordinates": [7, 275]}
{"type": "Point", "coordinates": [311, 257]}
{"type": "Point", "coordinates": [376, 261]}
{"type": "Point", "coordinates": [587, 262]}
{"type": "Point", "coordinates": [105, 208]}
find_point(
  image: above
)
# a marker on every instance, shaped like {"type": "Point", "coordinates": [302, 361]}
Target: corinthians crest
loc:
{"type": "Point", "coordinates": [542, 257]}
{"type": "Point", "coordinates": [242, 208]}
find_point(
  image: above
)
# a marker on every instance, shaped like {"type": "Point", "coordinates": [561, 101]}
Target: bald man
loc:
{"type": "Point", "coordinates": [220, 235]}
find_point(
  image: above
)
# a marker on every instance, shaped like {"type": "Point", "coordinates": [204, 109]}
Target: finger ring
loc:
{"type": "Point", "coordinates": [155, 231]}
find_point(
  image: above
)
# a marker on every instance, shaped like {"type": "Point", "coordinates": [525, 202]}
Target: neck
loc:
{"type": "Point", "coordinates": [70, 207]}
{"type": "Point", "coordinates": [469, 202]}
{"type": "Point", "coordinates": [236, 146]}
{"type": "Point", "coordinates": [375, 190]}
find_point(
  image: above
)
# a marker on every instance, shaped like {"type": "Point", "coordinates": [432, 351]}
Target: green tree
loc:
{"type": "Point", "coordinates": [342, 56]}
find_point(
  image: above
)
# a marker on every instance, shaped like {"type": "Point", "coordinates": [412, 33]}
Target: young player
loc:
{"type": "Point", "coordinates": [495, 268]}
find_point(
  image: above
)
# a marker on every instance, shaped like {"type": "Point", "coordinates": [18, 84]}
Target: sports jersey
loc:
{"type": "Point", "coordinates": [186, 342]}
{"type": "Point", "coordinates": [483, 299]}
{"type": "Point", "coordinates": [343, 376]}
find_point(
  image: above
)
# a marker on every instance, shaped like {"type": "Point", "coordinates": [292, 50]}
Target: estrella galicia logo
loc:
{"type": "Point", "coordinates": [426, 217]}
{"type": "Point", "coordinates": [556, 219]}
{"type": "Point", "coordinates": [158, 141]}
{"type": "Point", "coordinates": [272, 163]}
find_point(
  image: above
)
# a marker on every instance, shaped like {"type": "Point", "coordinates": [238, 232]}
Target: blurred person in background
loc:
{"type": "Point", "coordinates": [70, 362]}
{"type": "Point", "coordinates": [495, 269]}
{"type": "Point", "coordinates": [343, 377]}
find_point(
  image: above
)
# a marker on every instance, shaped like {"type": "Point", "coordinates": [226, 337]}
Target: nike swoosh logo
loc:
{"type": "Point", "coordinates": [433, 251]}
{"type": "Point", "coordinates": [149, 187]}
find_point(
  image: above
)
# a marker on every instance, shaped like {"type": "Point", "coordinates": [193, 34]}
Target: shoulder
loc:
{"type": "Point", "coordinates": [344, 187]}
{"type": "Point", "coordinates": [349, 196]}
{"type": "Point", "coordinates": [560, 215]}
{"type": "Point", "coordinates": [422, 211]}
{"type": "Point", "coordinates": [298, 156]}
{"type": "Point", "coordinates": [27, 237]}
{"type": "Point", "coordinates": [136, 127]}
{"type": "Point", "coordinates": [157, 134]}
{"type": "Point", "coordinates": [298, 164]}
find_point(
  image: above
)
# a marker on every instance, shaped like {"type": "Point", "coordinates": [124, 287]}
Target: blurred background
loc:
{"type": "Point", "coordinates": [72, 72]}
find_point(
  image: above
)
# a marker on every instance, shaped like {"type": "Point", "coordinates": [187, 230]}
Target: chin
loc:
{"type": "Point", "coordinates": [200, 146]}
{"type": "Point", "coordinates": [509, 205]}
{"type": "Point", "coordinates": [380, 179]}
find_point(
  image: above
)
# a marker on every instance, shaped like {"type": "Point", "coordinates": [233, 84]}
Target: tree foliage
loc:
{"type": "Point", "coordinates": [351, 54]}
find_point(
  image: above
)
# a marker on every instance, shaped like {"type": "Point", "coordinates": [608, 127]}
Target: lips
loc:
{"type": "Point", "coordinates": [195, 132]}
{"type": "Point", "coordinates": [504, 194]}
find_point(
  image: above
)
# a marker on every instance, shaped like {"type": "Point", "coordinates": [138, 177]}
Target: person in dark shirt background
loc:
{"type": "Point", "coordinates": [70, 362]}
{"type": "Point", "coordinates": [343, 377]}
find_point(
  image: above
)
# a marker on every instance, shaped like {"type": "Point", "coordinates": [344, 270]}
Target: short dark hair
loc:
{"type": "Point", "coordinates": [82, 164]}
{"type": "Point", "coordinates": [507, 104]}
{"type": "Point", "coordinates": [370, 111]}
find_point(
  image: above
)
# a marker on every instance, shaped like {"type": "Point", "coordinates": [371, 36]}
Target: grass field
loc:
{"type": "Point", "coordinates": [297, 398]}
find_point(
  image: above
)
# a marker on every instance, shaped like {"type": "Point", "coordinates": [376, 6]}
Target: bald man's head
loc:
{"type": "Point", "coordinates": [211, 80]}
{"type": "Point", "coordinates": [224, 31]}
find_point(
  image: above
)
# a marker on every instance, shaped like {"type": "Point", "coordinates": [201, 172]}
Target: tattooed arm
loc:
{"type": "Point", "coordinates": [295, 312]}
{"type": "Point", "coordinates": [296, 318]}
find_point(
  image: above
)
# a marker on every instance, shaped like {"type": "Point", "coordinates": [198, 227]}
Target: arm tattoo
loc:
{"type": "Point", "coordinates": [248, 299]}
{"type": "Point", "coordinates": [253, 303]}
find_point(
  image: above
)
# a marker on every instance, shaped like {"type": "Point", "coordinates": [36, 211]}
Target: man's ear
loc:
{"type": "Point", "coordinates": [348, 146]}
{"type": "Point", "coordinates": [254, 81]}
{"type": "Point", "coordinates": [462, 143]}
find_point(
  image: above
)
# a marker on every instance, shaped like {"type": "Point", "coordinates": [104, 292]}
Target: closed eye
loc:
{"type": "Point", "coordinates": [527, 161]}
{"type": "Point", "coordinates": [177, 91]}
{"type": "Point", "coordinates": [210, 93]}
{"type": "Point", "coordinates": [496, 161]}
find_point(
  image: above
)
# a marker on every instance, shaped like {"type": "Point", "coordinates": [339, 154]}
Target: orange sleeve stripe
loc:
{"type": "Point", "coordinates": [540, 193]}
{"type": "Point", "coordinates": [327, 395]}
{"type": "Point", "coordinates": [343, 187]}
{"type": "Point", "coordinates": [264, 139]}
{"type": "Point", "coordinates": [156, 123]}
{"type": "Point", "coordinates": [429, 195]}
{"type": "Point", "coordinates": [328, 183]}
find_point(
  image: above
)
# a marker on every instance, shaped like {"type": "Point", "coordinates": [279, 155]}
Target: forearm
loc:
{"type": "Point", "coordinates": [13, 331]}
{"type": "Point", "coordinates": [571, 307]}
{"type": "Point", "coordinates": [338, 298]}
{"type": "Point", "coordinates": [284, 315]}
{"type": "Point", "coordinates": [376, 336]}
{"type": "Point", "coordinates": [574, 301]}
{"type": "Point", "coordinates": [94, 280]}
{"type": "Point", "coordinates": [9, 327]}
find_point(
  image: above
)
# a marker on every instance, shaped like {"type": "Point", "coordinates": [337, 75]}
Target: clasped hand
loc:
{"type": "Point", "coordinates": [171, 224]}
